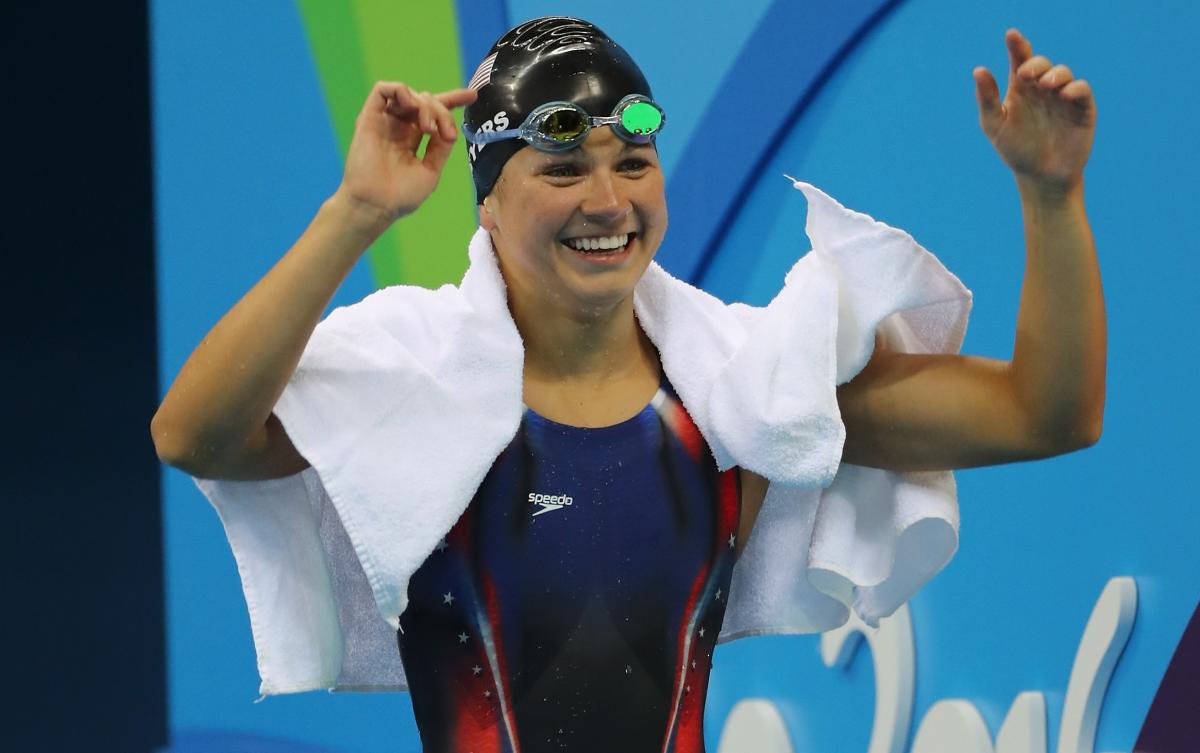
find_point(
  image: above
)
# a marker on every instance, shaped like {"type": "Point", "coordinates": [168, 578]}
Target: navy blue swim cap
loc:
{"type": "Point", "coordinates": [550, 59]}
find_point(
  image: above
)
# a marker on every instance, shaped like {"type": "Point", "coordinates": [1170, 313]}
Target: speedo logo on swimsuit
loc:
{"type": "Point", "coordinates": [549, 502]}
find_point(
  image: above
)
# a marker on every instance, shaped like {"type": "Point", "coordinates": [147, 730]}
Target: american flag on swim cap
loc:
{"type": "Point", "coordinates": [483, 74]}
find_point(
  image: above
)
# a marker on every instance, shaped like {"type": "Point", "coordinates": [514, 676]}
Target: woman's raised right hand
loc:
{"type": "Point", "coordinates": [383, 173]}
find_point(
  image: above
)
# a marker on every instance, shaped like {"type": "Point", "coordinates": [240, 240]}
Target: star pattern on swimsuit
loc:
{"type": "Point", "coordinates": [701, 632]}
{"type": "Point", "coordinates": [731, 540]}
{"type": "Point", "coordinates": [441, 545]}
{"type": "Point", "coordinates": [487, 694]}
{"type": "Point", "coordinates": [718, 594]}
{"type": "Point", "coordinates": [448, 598]}
{"type": "Point", "coordinates": [462, 637]}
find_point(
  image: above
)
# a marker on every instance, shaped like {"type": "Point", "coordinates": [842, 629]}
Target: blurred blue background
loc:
{"type": "Point", "coordinates": [245, 152]}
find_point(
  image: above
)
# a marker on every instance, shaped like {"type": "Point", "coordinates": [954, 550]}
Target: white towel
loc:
{"type": "Point", "coordinates": [402, 401]}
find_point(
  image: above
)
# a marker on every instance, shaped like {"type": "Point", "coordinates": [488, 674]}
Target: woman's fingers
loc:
{"type": "Point", "coordinates": [385, 165]}
{"type": "Point", "coordinates": [458, 97]}
{"type": "Point", "coordinates": [1032, 68]}
{"type": "Point", "coordinates": [441, 105]}
{"type": "Point", "coordinates": [397, 113]}
{"type": "Point", "coordinates": [1079, 94]}
{"type": "Point", "coordinates": [392, 97]}
{"type": "Point", "coordinates": [1019, 49]}
{"type": "Point", "coordinates": [401, 104]}
{"type": "Point", "coordinates": [440, 117]}
{"type": "Point", "coordinates": [394, 112]}
{"type": "Point", "coordinates": [1056, 77]}
{"type": "Point", "coordinates": [430, 113]}
{"type": "Point", "coordinates": [397, 100]}
{"type": "Point", "coordinates": [437, 151]}
{"type": "Point", "coordinates": [1078, 91]}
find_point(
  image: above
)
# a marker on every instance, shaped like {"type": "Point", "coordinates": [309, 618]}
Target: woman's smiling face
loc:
{"type": "Point", "coordinates": [548, 213]}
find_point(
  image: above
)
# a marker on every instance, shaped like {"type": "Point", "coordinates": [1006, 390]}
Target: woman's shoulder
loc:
{"type": "Point", "coordinates": [398, 306]}
{"type": "Point", "coordinates": [397, 319]}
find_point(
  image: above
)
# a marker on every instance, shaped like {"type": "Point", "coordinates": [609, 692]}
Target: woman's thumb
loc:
{"type": "Point", "coordinates": [987, 92]}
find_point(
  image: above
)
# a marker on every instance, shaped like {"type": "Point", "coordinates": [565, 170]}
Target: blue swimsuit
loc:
{"type": "Point", "coordinates": [576, 603]}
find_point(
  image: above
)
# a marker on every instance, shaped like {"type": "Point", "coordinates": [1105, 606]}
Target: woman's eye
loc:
{"type": "Point", "coordinates": [561, 171]}
{"type": "Point", "coordinates": [634, 164]}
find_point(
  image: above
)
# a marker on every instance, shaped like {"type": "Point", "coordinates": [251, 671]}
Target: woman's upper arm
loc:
{"type": "Point", "coordinates": [938, 411]}
{"type": "Point", "coordinates": [267, 454]}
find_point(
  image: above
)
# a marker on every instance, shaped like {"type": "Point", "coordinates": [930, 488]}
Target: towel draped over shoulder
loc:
{"type": "Point", "coordinates": [401, 402]}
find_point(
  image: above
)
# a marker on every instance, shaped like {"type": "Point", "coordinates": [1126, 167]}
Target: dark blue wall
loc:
{"type": "Point", "coordinates": [83, 615]}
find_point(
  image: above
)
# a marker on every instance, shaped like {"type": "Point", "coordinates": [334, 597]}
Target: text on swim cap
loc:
{"type": "Point", "coordinates": [497, 122]}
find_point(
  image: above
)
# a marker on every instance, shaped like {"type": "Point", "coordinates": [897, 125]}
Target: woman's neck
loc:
{"type": "Point", "coordinates": [586, 349]}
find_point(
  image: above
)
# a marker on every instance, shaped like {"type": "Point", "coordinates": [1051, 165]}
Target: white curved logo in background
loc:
{"type": "Point", "coordinates": [955, 725]}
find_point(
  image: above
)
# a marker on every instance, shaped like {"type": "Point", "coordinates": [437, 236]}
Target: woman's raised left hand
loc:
{"type": "Point", "coordinates": [1043, 128]}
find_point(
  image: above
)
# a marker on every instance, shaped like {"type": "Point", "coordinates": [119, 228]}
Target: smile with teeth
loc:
{"type": "Point", "coordinates": [606, 243]}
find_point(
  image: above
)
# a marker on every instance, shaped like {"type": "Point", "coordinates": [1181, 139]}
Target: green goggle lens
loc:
{"type": "Point", "coordinates": [641, 118]}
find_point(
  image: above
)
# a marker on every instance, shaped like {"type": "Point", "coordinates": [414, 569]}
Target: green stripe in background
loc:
{"type": "Point", "coordinates": [358, 42]}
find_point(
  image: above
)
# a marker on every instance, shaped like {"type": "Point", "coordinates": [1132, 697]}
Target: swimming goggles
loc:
{"type": "Point", "coordinates": [559, 126]}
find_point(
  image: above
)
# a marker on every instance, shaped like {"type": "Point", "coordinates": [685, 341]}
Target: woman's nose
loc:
{"type": "Point", "coordinates": [604, 201]}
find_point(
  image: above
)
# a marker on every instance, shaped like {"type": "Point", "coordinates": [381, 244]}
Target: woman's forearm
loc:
{"type": "Point", "coordinates": [232, 380]}
{"type": "Point", "coordinates": [1058, 364]}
